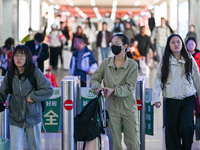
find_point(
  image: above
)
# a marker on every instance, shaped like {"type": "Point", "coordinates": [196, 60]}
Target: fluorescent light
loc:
{"type": "Point", "coordinates": [77, 9]}
{"type": "Point", "coordinates": [137, 3]}
{"type": "Point", "coordinates": [114, 9]}
{"type": "Point", "coordinates": [80, 12]}
{"type": "Point", "coordinates": [71, 3]}
{"type": "Point", "coordinates": [92, 2]}
{"type": "Point", "coordinates": [150, 7]}
{"type": "Point", "coordinates": [115, 3]}
{"type": "Point", "coordinates": [97, 13]}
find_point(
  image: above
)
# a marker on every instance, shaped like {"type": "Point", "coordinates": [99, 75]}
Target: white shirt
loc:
{"type": "Point", "coordinates": [103, 42]}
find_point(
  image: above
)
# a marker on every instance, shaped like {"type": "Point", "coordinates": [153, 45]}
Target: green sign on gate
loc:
{"type": "Point", "coordinates": [51, 115]}
{"type": "Point", "coordinates": [86, 96]}
{"type": "Point", "coordinates": [148, 112]}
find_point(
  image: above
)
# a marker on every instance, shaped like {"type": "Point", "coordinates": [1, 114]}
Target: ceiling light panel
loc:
{"type": "Point", "coordinates": [92, 2]}
{"type": "Point", "coordinates": [137, 3]}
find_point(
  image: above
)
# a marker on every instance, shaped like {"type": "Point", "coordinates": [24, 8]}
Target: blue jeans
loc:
{"type": "Point", "coordinates": [33, 137]}
{"type": "Point", "coordinates": [105, 52]}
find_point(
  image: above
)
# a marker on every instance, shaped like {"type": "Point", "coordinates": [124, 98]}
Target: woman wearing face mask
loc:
{"type": "Point", "coordinates": [119, 75]}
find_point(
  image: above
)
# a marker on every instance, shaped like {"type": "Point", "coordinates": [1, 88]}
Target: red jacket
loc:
{"type": "Point", "coordinates": [52, 79]}
{"type": "Point", "coordinates": [197, 105]}
{"type": "Point", "coordinates": [197, 58]}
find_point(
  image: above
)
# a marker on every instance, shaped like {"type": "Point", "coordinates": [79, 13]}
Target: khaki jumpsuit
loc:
{"type": "Point", "coordinates": [121, 105]}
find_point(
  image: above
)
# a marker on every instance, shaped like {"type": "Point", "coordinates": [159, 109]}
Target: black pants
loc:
{"type": "Point", "coordinates": [3, 71]}
{"type": "Point", "coordinates": [83, 84]}
{"type": "Point", "coordinates": [60, 54]}
{"type": "Point", "coordinates": [54, 56]}
{"type": "Point", "coordinates": [179, 123]}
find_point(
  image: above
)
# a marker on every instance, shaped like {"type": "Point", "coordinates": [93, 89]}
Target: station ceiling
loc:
{"type": "Point", "coordinates": [103, 6]}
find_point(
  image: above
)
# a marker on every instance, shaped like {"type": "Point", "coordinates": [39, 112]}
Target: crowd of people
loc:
{"type": "Point", "coordinates": [133, 54]}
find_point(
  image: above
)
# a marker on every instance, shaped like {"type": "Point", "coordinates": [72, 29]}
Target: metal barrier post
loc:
{"type": "Point", "coordinates": [70, 96]}
{"type": "Point", "coordinates": [4, 143]}
{"type": "Point", "coordinates": [140, 95]}
{"type": "Point", "coordinates": [6, 130]}
{"type": "Point", "coordinates": [2, 114]}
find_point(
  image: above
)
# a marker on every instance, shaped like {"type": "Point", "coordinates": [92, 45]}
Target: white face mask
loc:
{"type": "Point", "coordinates": [30, 32]}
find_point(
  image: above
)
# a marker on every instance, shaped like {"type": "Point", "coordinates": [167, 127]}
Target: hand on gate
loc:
{"type": "Point", "coordinates": [89, 72]}
{"type": "Point", "coordinates": [108, 91]}
{"type": "Point", "coordinates": [2, 106]}
{"type": "Point", "coordinates": [98, 90]}
{"type": "Point", "coordinates": [157, 104]}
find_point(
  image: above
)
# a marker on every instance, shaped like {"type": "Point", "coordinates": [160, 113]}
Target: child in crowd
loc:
{"type": "Point", "coordinates": [144, 70]}
{"type": "Point", "coordinates": [10, 42]}
{"type": "Point", "coordinates": [4, 58]}
{"type": "Point", "coordinates": [134, 50]}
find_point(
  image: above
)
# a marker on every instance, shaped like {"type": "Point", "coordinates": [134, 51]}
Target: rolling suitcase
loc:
{"type": "Point", "coordinates": [102, 142]}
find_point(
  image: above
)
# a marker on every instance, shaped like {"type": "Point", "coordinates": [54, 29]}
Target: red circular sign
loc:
{"type": "Point", "coordinates": [139, 104]}
{"type": "Point", "coordinates": [68, 104]}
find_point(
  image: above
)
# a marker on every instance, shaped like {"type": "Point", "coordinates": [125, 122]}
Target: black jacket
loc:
{"type": "Point", "coordinates": [44, 53]}
{"type": "Point", "coordinates": [108, 38]}
{"type": "Point", "coordinates": [144, 44]}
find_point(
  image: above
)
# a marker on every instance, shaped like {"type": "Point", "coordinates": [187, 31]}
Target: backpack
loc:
{"type": "Point", "coordinates": [86, 124]}
{"type": "Point", "coordinates": [31, 79]}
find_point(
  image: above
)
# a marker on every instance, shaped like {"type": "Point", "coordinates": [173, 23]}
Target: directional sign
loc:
{"type": "Point", "coordinates": [139, 104]}
{"type": "Point", "coordinates": [68, 104]}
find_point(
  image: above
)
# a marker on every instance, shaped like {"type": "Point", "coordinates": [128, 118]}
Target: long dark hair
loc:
{"type": "Point", "coordinates": [29, 65]}
{"type": "Point", "coordinates": [165, 60]}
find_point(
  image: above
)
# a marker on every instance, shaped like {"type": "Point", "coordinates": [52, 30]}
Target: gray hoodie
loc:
{"type": "Point", "coordinates": [21, 114]}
